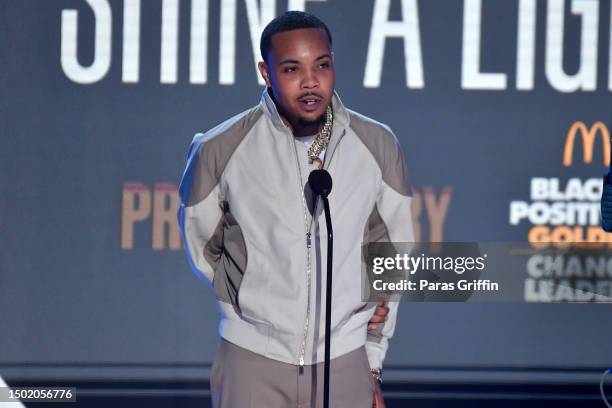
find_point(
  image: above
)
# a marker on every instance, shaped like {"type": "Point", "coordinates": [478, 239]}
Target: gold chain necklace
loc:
{"type": "Point", "coordinates": [322, 139]}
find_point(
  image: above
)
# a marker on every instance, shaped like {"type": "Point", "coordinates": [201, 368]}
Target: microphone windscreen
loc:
{"type": "Point", "coordinates": [320, 182]}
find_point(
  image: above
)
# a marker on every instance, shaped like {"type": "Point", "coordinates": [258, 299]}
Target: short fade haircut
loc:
{"type": "Point", "coordinates": [291, 20]}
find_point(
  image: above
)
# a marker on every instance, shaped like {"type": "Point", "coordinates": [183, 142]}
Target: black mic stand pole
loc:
{"type": "Point", "coordinates": [320, 182]}
{"type": "Point", "coordinates": [328, 301]}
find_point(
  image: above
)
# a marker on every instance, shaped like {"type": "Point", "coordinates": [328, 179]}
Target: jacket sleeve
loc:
{"type": "Point", "coordinates": [200, 214]}
{"type": "Point", "coordinates": [394, 219]}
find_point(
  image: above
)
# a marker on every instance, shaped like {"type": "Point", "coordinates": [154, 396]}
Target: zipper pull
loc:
{"type": "Point", "coordinates": [308, 242]}
{"type": "Point", "coordinates": [301, 368]}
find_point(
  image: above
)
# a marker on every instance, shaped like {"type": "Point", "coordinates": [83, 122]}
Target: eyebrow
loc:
{"type": "Point", "coordinates": [290, 61]}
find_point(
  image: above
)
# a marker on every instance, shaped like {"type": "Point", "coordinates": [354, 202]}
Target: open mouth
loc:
{"type": "Point", "coordinates": [310, 102]}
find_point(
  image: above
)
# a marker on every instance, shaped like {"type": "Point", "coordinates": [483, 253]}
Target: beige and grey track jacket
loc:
{"type": "Point", "coordinates": [246, 218]}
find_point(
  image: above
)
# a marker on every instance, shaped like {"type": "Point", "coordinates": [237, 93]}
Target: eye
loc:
{"type": "Point", "coordinates": [324, 65]}
{"type": "Point", "coordinates": [290, 69]}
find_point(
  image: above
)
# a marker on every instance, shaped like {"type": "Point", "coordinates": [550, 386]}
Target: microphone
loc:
{"type": "Point", "coordinates": [320, 182]}
{"type": "Point", "coordinates": [606, 202]}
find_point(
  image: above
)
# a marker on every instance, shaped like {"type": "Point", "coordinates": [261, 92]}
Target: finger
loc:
{"type": "Point", "coordinates": [378, 309]}
{"type": "Point", "coordinates": [381, 311]}
{"type": "Point", "coordinates": [377, 319]}
{"type": "Point", "coordinates": [383, 306]}
{"type": "Point", "coordinates": [372, 326]}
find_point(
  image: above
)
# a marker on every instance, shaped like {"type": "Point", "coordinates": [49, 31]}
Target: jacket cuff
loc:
{"type": "Point", "coordinates": [376, 353]}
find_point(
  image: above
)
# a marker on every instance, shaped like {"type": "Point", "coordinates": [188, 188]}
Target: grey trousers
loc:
{"type": "Point", "coordinates": [242, 379]}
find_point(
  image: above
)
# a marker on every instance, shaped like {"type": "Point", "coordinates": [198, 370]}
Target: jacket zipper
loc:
{"type": "Point", "coordinates": [307, 227]}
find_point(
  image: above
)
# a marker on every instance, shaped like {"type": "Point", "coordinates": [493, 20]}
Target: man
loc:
{"type": "Point", "coordinates": [252, 228]}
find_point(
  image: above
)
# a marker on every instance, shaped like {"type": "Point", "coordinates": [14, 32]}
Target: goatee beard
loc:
{"type": "Point", "coordinates": [308, 123]}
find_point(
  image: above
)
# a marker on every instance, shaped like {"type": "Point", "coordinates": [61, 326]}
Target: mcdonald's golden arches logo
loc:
{"type": "Point", "coordinates": [588, 142]}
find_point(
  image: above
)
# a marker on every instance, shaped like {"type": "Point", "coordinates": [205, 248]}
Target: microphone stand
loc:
{"type": "Point", "coordinates": [328, 301]}
{"type": "Point", "coordinates": [320, 182]}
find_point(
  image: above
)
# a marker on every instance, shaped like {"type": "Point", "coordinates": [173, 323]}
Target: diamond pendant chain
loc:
{"type": "Point", "coordinates": [322, 139]}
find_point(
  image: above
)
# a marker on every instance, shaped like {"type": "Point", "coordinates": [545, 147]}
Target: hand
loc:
{"type": "Point", "coordinates": [378, 401]}
{"type": "Point", "coordinates": [380, 315]}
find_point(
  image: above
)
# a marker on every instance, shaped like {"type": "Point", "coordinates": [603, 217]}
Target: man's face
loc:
{"type": "Point", "coordinates": [300, 72]}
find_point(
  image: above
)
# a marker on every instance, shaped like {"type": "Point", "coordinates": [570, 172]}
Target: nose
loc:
{"type": "Point", "coordinates": [309, 80]}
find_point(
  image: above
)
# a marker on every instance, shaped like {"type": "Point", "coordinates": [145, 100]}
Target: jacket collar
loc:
{"type": "Point", "coordinates": [341, 115]}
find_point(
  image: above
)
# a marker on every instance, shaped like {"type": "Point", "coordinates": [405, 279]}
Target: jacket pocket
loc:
{"type": "Point", "coordinates": [231, 268]}
{"type": "Point", "coordinates": [248, 294]}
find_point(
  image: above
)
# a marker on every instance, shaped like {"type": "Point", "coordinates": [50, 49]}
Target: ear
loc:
{"type": "Point", "coordinates": [265, 74]}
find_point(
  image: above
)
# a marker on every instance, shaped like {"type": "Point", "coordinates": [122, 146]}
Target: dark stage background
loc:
{"type": "Point", "coordinates": [100, 99]}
